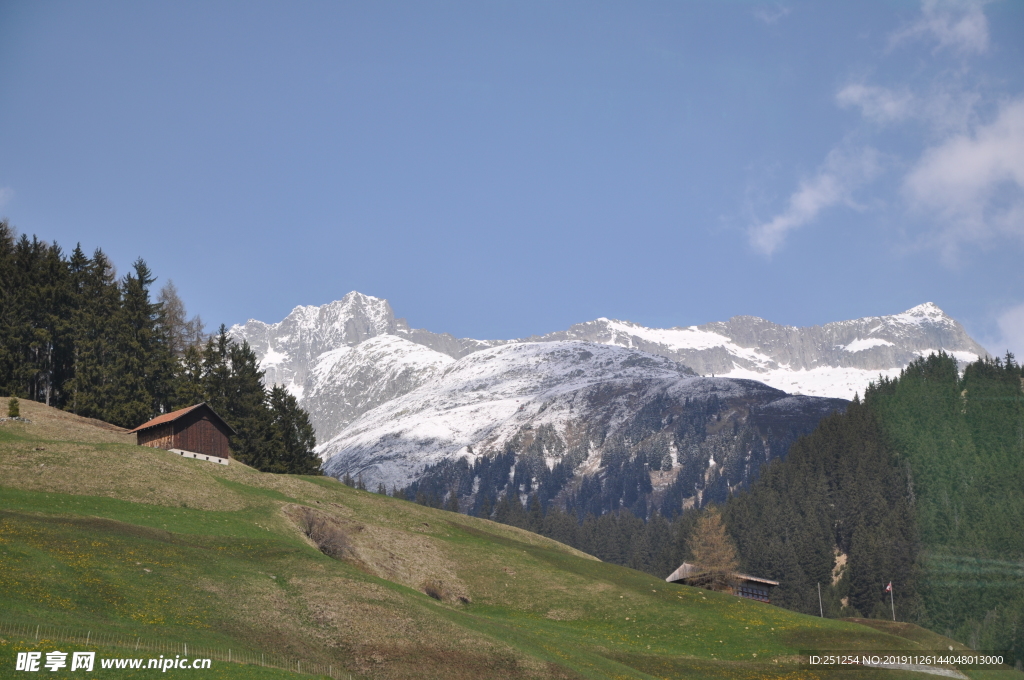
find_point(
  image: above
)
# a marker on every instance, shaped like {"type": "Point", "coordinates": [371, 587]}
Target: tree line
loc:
{"type": "Point", "coordinates": [75, 336]}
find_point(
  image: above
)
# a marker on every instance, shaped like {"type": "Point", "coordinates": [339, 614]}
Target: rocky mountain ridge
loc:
{"type": "Point", "coordinates": [835, 360]}
{"type": "Point", "coordinates": [581, 406]}
{"type": "Point", "coordinates": [606, 400]}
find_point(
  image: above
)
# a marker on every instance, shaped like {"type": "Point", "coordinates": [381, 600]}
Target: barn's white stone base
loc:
{"type": "Point", "coordinates": [200, 456]}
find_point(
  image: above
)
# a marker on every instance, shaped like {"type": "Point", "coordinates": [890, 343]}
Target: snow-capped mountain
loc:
{"type": "Point", "coordinates": [346, 357]}
{"type": "Point", "coordinates": [306, 352]}
{"type": "Point", "coordinates": [838, 359]}
{"type": "Point", "coordinates": [578, 404]}
{"type": "Point", "coordinates": [349, 381]}
{"type": "Point", "coordinates": [394, 403]}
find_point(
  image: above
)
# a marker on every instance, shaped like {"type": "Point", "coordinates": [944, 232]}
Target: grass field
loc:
{"type": "Point", "coordinates": [97, 534]}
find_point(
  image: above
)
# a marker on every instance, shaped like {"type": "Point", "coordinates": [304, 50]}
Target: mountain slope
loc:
{"type": "Point", "coordinates": [579, 405]}
{"type": "Point", "coordinates": [349, 381]}
{"type": "Point", "coordinates": [218, 548]}
{"type": "Point", "coordinates": [388, 401]}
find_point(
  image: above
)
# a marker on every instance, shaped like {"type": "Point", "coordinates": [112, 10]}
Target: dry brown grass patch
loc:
{"type": "Point", "coordinates": [325, 532]}
{"type": "Point", "coordinates": [52, 423]}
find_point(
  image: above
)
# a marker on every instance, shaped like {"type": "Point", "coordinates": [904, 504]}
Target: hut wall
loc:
{"type": "Point", "coordinates": [202, 435]}
{"type": "Point", "coordinates": [159, 437]}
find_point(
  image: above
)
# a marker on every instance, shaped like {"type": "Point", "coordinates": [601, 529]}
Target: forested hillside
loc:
{"type": "Point", "coordinates": [920, 484]}
{"type": "Point", "coordinates": [75, 336]}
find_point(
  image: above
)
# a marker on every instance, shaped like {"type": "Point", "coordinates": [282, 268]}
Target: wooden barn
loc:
{"type": "Point", "coordinates": [750, 587]}
{"type": "Point", "coordinates": [193, 432]}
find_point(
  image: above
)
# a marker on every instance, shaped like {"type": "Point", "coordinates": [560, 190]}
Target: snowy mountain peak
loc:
{"type": "Point", "coordinates": [929, 311]}
{"type": "Point", "coordinates": [312, 352]}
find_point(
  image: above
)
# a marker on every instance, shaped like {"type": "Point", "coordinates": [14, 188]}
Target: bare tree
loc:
{"type": "Point", "coordinates": [713, 552]}
{"type": "Point", "coordinates": [183, 332]}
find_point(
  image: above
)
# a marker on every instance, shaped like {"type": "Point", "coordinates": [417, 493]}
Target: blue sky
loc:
{"type": "Point", "coordinates": [499, 169]}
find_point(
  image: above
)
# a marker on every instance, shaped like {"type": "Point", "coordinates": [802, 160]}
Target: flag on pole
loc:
{"type": "Point", "coordinates": [888, 588]}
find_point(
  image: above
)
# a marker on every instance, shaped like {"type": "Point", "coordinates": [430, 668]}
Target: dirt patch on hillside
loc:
{"type": "Point", "coordinates": [410, 559]}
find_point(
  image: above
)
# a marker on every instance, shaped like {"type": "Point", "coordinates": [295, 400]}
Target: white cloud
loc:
{"type": "Point", "coordinates": [878, 104]}
{"type": "Point", "coordinates": [973, 184]}
{"type": "Point", "coordinates": [834, 183]}
{"type": "Point", "coordinates": [956, 24]}
{"type": "Point", "coordinates": [771, 15]}
{"type": "Point", "coordinates": [1011, 331]}
{"type": "Point", "coordinates": [946, 107]}
{"type": "Point", "coordinates": [6, 194]}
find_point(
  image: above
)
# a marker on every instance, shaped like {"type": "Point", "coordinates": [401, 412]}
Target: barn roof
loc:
{"type": "Point", "coordinates": [174, 415]}
{"type": "Point", "coordinates": [688, 571]}
{"type": "Point", "coordinates": [756, 579]}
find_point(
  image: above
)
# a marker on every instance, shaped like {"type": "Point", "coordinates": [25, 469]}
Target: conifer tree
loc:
{"type": "Point", "coordinates": [248, 408]}
{"type": "Point", "coordinates": [142, 364]}
{"type": "Point", "coordinates": [9, 307]}
{"type": "Point", "coordinates": [188, 381]}
{"type": "Point", "coordinates": [293, 436]}
{"type": "Point", "coordinates": [713, 552]}
{"type": "Point", "coordinates": [97, 300]}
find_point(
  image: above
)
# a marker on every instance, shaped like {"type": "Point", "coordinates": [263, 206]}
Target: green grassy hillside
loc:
{"type": "Point", "coordinates": [98, 534]}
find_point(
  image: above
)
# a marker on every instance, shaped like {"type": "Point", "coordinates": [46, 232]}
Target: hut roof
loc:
{"type": "Point", "coordinates": [688, 571]}
{"type": "Point", "coordinates": [174, 415]}
{"type": "Point", "coordinates": [756, 579]}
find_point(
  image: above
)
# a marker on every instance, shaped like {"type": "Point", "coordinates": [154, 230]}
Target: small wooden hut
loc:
{"type": "Point", "coordinates": [750, 587]}
{"type": "Point", "coordinates": [193, 432]}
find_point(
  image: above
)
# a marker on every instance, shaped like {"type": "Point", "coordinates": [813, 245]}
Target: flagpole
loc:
{"type": "Point", "coordinates": [893, 603]}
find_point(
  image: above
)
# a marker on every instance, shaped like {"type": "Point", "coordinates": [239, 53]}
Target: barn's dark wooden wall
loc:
{"type": "Point", "coordinates": [159, 437]}
{"type": "Point", "coordinates": [199, 430]}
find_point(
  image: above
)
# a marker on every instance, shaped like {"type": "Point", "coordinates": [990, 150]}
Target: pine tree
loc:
{"type": "Point", "coordinates": [293, 436]}
{"type": "Point", "coordinates": [96, 301]}
{"type": "Point", "coordinates": [248, 408]}
{"type": "Point", "coordinates": [188, 381]}
{"type": "Point", "coordinates": [8, 311]}
{"type": "Point", "coordinates": [142, 365]}
{"type": "Point", "coordinates": [452, 504]}
{"type": "Point", "coordinates": [535, 519]}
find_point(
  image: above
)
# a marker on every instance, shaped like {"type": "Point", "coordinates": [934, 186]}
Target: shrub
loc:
{"type": "Point", "coordinates": [325, 533]}
{"type": "Point", "coordinates": [13, 408]}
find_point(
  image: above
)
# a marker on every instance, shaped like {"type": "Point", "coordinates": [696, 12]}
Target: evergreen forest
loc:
{"type": "Point", "coordinates": [920, 484]}
{"type": "Point", "coordinates": [75, 336]}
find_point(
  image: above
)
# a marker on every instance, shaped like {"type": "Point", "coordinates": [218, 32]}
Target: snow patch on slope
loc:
{"type": "Point", "coordinates": [481, 401]}
{"type": "Point", "coordinates": [862, 344]}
